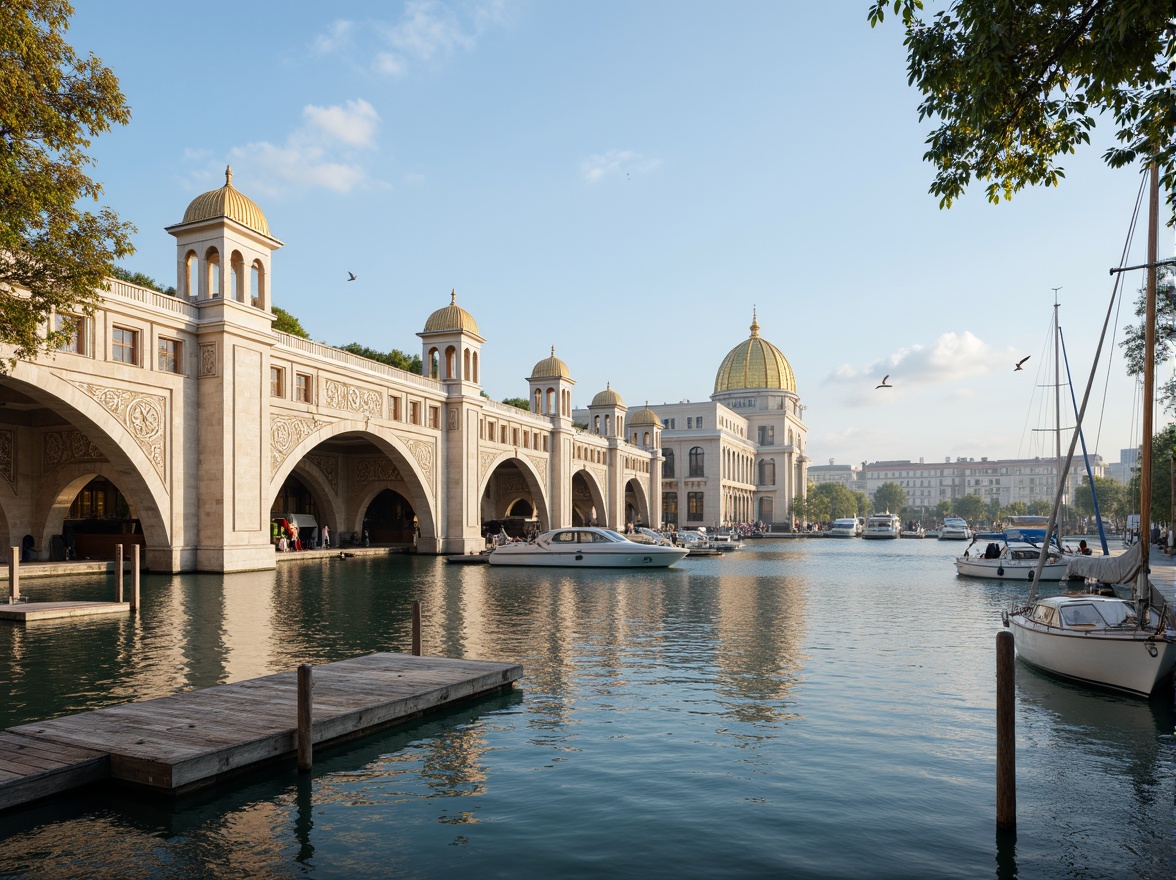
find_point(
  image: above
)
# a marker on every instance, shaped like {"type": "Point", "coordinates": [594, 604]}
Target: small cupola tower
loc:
{"type": "Point", "coordinates": [551, 388]}
{"type": "Point", "coordinates": [606, 414]}
{"type": "Point", "coordinates": [450, 345]}
{"type": "Point", "coordinates": [224, 249]}
{"type": "Point", "coordinates": [645, 428]}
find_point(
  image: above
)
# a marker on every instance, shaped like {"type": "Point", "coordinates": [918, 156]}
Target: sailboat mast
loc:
{"type": "Point", "coordinates": [1057, 400]}
{"type": "Point", "coordinates": [1149, 378]}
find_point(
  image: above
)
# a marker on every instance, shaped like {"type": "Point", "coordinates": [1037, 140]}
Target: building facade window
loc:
{"type": "Point", "coordinates": [124, 345]}
{"type": "Point", "coordinates": [668, 464]}
{"type": "Point", "coordinates": [670, 508]}
{"type": "Point", "coordinates": [302, 387]}
{"type": "Point", "coordinates": [767, 472]}
{"type": "Point", "coordinates": [394, 408]}
{"type": "Point", "coordinates": [694, 506]}
{"type": "Point", "coordinates": [78, 327]}
{"type": "Point", "coordinates": [414, 412]}
{"type": "Point", "coordinates": [171, 355]}
{"type": "Point", "coordinates": [277, 382]}
{"type": "Point", "coordinates": [697, 462]}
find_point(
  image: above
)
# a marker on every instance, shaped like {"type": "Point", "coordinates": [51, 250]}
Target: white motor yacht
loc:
{"type": "Point", "coordinates": [955, 529]}
{"type": "Point", "coordinates": [847, 527]}
{"type": "Point", "coordinates": [882, 525]}
{"type": "Point", "coordinates": [1015, 561]}
{"type": "Point", "coordinates": [586, 547]}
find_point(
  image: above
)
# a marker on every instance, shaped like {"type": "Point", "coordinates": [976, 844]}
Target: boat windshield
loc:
{"type": "Point", "coordinates": [1105, 614]}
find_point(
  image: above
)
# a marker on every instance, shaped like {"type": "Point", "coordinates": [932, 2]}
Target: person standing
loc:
{"type": "Point", "coordinates": [326, 537]}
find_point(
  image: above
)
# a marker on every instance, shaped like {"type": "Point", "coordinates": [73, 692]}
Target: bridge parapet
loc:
{"type": "Point", "coordinates": [326, 352]}
{"type": "Point", "coordinates": [152, 298]}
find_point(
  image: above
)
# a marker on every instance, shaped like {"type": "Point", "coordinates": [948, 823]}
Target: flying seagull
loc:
{"type": "Point", "coordinates": [351, 276]}
{"type": "Point", "coordinates": [1017, 366]}
{"type": "Point", "coordinates": [884, 385]}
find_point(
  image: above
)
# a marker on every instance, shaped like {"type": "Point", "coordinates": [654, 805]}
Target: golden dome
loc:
{"type": "Point", "coordinates": [551, 368]}
{"type": "Point", "coordinates": [452, 317]}
{"type": "Point", "coordinates": [644, 417]}
{"type": "Point", "coordinates": [230, 202]}
{"type": "Point", "coordinates": [755, 363]}
{"type": "Point", "coordinates": [607, 397]}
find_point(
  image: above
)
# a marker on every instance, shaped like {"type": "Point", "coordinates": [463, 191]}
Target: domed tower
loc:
{"type": "Point", "coordinates": [607, 414]}
{"type": "Point", "coordinates": [756, 381]}
{"type": "Point", "coordinates": [224, 249]}
{"type": "Point", "coordinates": [450, 345]}
{"type": "Point", "coordinates": [551, 388]}
{"type": "Point", "coordinates": [645, 428]}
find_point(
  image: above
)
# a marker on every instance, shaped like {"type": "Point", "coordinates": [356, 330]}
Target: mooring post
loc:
{"type": "Point", "coordinates": [134, 578]}
{"type": "Point", "coordinates": [1006, 734]}
{"type": "Point", "coordinates": [118, 572]}
{"type": "Point", "coordinates": [14, 575]}
{"type": "Point", "coordinates": [416, 629]}
{"type": "Point", "coordinates": [305, 717]}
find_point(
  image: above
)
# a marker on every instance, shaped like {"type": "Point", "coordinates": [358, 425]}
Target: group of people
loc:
{"type": "Point", "coordinates": [287, 536]}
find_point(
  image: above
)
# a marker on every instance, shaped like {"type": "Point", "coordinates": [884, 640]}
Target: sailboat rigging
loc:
{"type": "Point", "coordinates": [1097, 637]}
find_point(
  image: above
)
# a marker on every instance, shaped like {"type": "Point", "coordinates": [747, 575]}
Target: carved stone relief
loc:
{"type": "Point", "coordinates": [541, 468]}
{"type": "Point", "coordinates": [350, 398]}
{"type": "Point", "coordinates": [423, 452]}
{"type": "Point", "coordinates": [141, 414]}
{"type": "Point", "coordinates": [328, 466]}
{"type": "Point", "coordinates": [8, 457]}
{"type": "Point", "coordinates": [485, 459]}
{"type": "Point", "coordinates": [286, 432]}
{"type": "Point", "coordinates": [65, 447]}
{"type": "Point", "coordinates": [376, 470]}
{"type": "Point", "coordinates": [207, 359]}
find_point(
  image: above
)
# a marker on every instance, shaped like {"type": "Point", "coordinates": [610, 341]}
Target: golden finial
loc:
{"type": "Point", "coordinates": [553, 351]}
{"type": "Point", "coordinates": [228, 175]}
{"type": "Point", "coordinates": [453, 297]}
{"type": "Point", "coordinates": [754, 324]}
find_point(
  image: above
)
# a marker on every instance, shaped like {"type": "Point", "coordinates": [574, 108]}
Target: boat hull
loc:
{"type": "Point", "coordinates": [1119, 661]}
{"type": "Point", "coordinates": [998, 569]}
{"type": "Point", "coordinates": [639, 557]}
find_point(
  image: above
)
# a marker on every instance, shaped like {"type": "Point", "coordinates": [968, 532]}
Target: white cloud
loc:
{"type": "Point", "coordinates": [319, 153]}
{"type": "Point", "coordinates": [949, 358]}
{"type": "Point", "coordinates": [337, 38]}
{"type": "Point", "coordinates": [615, 163]}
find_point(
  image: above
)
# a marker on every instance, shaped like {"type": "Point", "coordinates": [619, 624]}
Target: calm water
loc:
{"type": "Point", "coordinates": [799, 709]}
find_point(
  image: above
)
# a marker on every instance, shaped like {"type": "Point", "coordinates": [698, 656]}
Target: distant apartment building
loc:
{"type": "Point", "coordinates": [845, 474]}
{"type": "Point", "coordinates": [1122, 470]}
{"type": "Point", "coordinates": [1003, 480]}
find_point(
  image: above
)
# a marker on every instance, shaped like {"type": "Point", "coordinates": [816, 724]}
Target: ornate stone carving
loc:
{"type": "Point", "coordinates": [454, 418]}
{"type": "Point", "coordinates": [141, 414]}
{"type": "Point", "coordinates": [350, 398]}
{"type": "Point", "coordinates": [376, 470]}
{"type": "Point", "coordinates": [425, 456]}
{"type": "Point", "coordinates": [328, 465]}
{"type": "Point", "coordinates": [64, 447]}
{"type": "Point", "coordinates": [286, 432]}
{"type": "Point", "coordinates": [485, 459]}
{"type": "Point", "coordinates": [8, 457]}
{"type": "Point", "coordinates": [207, 359]}
{"type": "Point", "coordinates": [541, 468]}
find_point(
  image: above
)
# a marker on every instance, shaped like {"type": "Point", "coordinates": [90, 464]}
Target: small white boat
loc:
{"type": "Point", "coordinates": [1015, 561]}
{"type": "Point", "coordinates": [882, 525]}
{"type": "Point", "coordinates": [847, 527]}
{"type": "Point", "coordinates": [586, 547]}
{"type": "Point", "coordinates": [955, 529]}
{"type": "Point", "coordinates": [916, 532]}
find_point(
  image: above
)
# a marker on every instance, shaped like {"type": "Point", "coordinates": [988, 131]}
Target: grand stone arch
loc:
{"type": "Point", "coordinates": [591, 496]}
{"type": "Point", "coordinates": [111, 428]}
{"type": "Point", "coordinates": [536, 482]}
{"type": "Point", "coordinates": [635, 497]}
{"type": "Point", "coordinates": [414, 458]}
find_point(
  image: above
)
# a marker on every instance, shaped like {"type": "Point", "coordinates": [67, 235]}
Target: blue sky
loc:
{"type": "Point", "coordinates": [624, 181]}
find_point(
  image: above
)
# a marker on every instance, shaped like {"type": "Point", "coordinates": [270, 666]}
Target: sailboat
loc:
{"type": "Point", "coordinates": [1096, 637]}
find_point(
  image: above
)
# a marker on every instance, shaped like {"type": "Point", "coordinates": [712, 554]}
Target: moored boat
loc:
{"type": "Point", "coordinates": [955, 529]}
{"type": "Point", "coordinates": [1015, 561]}
{"type": "Point", "coordinates": [846, 527]}
{"type": "Point", "coordinates": [586, 547]}
{"type": "Point", "coordinates": [882, 525]}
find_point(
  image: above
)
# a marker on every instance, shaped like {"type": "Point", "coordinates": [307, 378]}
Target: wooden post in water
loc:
{"type": "Point", "coordinates": [14, 575]}
{"type": "Point", "coordinates": [416, 629]}
{"type": "Point", "coordinates": [305, 717]}
{"type": "Point", "coordinates": [1006, 734]}
{"type": "Point", "coordinates": [134, 578]}
{"type": "Point", "coordinates": [118, 572]}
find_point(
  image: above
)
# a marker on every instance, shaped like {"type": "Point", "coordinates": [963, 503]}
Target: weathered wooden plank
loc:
{"type": "Point", "coordinates": [30, 611]}
{"type": "Point", "coordinates": [28, 774]}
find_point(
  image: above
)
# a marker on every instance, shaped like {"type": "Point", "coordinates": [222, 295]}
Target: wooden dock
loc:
{"type": "Point", "coordinates": [173, 745]}
{"type": "Point", "coordinates": [24, 612]}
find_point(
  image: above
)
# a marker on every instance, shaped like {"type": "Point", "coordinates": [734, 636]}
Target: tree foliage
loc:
{"type": "Point", "coordinates": [1163, 448]}
{"type": "Point", "coordinates": [56, 256]}
{"type": "Point", "coordinates": [1014, 86]}
{"type": "Point", "coordinates": [394, 358]}
{"type": "Point", "coordinates": [284, 322]}
{"type": "Point", "coordinates": [1111, 498]}
{"type": "Point", "coordinates": [836, 500]}
{"type": "Point", "coordinates": [970, 507]}
{"type": "Point", "coordinates": [889, 497]}
{"type": "Point", "coordinates": [1133, 336]}
{"type": "Point", "coordinates": [142, 280]}
{"type": "Point", "coordinates": [518, 402]}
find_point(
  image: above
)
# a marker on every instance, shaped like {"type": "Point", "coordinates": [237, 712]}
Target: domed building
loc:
{"type": "Point", "coordinates": [740, 456]}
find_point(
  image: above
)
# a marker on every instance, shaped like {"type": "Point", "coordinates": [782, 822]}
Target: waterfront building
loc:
{"type": "Point", "coordinates": [187, 425]}
{"type": "Point", "coordinates": [737, 457]}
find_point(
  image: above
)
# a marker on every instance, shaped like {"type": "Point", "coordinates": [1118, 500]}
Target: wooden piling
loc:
{"type": "Point", "coordinates": [118, 572]}
{"type": "Point", "coordinates": [416, 629]}
{"type": "Point", "coordinates": [305, 718]}
{"type": "Point", "coordinates": [1006, 733]}
{"type": "Point", "coordinates": [14, 575]}
{"type": "Point", "coordinates": [134, 579]}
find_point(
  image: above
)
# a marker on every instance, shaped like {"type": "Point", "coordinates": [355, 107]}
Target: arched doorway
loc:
{"type": "Point", "coordinates": [294, 515]}
{"type": "Point", "coordinates": [512, 501]}
{"type": "Point", "coordinates": [636, 505]}
{"type": "Point", "coordinates": [588, 507]}
{"type": "Point", "coordinates": [390, 519]}
{"type": "Point", "coordinates": [98, 519]}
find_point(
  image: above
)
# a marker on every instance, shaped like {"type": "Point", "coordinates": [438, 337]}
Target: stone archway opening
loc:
{"type": "Point", "coordinates": [98, 519]}
{"type": "Point", "coordinates": [390, 519]}
{"type": "Point", "coordinates": [509, 503]}
{"type": "Point", "coordinates": [636, 505]}
{"type": "Point", "coordinates": [587, 502]}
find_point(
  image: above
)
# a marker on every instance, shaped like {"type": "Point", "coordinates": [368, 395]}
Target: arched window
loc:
{"type": "Point", "coordinates": [668, 464]}
{"type": "Point", "coordinates": [451, 363]}
{"type": "Point", "coordinates": [465, 366]}
{"type": "Point", "coordinates": [697, 462]}
{"type": "Point", "coordinates": [257, 285]}
{"type": "Point", "coordinates": [237, 276]}
{"type": "Point", "coordinates": [550, 401]}
{"type": "Point", "coordinates": [475, 356]}
{"type": "Point", "coordinates": [645, 439]}
{"type": "Point", "coordinates": [767, 472]}
{"type": "Point", "coordinates": [607, 427]}
{"type": "Point", "coordinates": [191, 274]}
{"type": "Point", "coordinates": [433, 364]}
{"type": "Point", "coordinates": [537, 404]}
{"type": "Point", "coordinates": [596, 424]}
{"type": "Point", "coordinates": [212, 261]}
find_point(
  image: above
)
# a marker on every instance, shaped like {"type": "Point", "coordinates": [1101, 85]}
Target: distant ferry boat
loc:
{"type": "Point", "coordinates": [882, 525]}
{"type": "Point", "coordinates": [849, 527]}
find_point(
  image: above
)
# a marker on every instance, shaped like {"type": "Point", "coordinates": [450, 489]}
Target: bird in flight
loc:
{"type": "Point", "coordinates": [1017, 366]}
{"type": "Point", "coordinates": [884, 385]}
{"type": "Point", "coordinates": [351, 277]}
